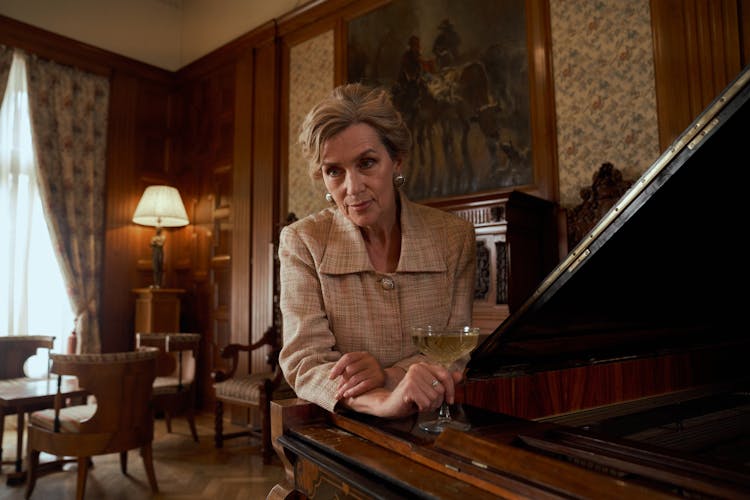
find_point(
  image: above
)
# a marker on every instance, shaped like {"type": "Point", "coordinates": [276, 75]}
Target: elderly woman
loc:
{"type": "Point", "coordinates": [356, 277]}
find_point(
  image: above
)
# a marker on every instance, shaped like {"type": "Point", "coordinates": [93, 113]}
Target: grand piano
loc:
{"type": "Point", "coordinates": [623, 375]}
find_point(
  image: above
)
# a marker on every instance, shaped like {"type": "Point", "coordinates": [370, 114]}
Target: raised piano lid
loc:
{"type": "Point", "coordinates": [664, 270]}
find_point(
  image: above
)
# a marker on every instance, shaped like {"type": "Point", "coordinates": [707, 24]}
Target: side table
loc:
{"type": "Point", "coordinates": [26, 395]}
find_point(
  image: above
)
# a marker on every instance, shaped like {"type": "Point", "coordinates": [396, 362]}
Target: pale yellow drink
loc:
{"type": "Point", "coordinates": [444, 346]}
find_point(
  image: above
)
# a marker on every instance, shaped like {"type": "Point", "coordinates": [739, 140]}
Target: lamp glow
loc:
{"type": "Point", "coordinates": [160, 206]}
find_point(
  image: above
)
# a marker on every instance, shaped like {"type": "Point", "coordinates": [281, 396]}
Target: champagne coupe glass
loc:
{"type": "Point", "coordinates": [445, 346]}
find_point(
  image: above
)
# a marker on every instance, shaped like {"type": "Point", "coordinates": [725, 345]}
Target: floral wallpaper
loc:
{"type": "Point", "coordinates": [311, 79]}
{"type": "Point", "coordinates": [605, 98]}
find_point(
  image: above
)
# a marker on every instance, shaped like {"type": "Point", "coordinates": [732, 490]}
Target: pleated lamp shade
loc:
{"type": "Point", "coordinates": [161, 206]}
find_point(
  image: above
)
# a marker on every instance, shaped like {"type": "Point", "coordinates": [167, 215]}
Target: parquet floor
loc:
{"type": "Point", "coordinates": [185, 470]}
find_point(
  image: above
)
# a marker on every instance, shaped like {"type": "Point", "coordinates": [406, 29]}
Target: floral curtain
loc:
{"type": "Point", "coordinates": [69, 122]}
{"type": "Point", "coordinates": [6, 58]}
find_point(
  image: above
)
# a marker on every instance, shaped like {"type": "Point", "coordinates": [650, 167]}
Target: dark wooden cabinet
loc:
{"type": "Point", "coordinates": [516, 248]}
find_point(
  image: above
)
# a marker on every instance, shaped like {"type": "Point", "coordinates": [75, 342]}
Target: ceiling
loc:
{"type": "Point", "coordinates": [165, 33]}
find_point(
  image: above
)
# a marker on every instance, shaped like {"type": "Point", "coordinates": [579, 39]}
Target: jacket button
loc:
{"type": "Point", "coordinates": [387, 284]}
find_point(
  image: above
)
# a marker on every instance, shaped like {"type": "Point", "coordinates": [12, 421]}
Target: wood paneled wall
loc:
{"type": "Point", "coordinates": [699, 47]}
{"type": "Point", "coordinates": [138, 154]}
{"type": "Point", "coordinates": [228, 101]}
{"type": "Point", "coordinates": [205, 107]}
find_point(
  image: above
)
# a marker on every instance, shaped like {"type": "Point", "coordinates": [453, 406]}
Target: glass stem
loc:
{"type": "Point", "coordinates": [444, 415]}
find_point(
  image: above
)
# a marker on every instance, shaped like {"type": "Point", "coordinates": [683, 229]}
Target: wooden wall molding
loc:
{"type": "Point", "coordinates": [228, 53]}
{"type": "Point", "coordinates": [242, 307]}
{"type": "Point", "coordinates": [264, 188]}
{"type": "Point", "coordinates": [313, 13]}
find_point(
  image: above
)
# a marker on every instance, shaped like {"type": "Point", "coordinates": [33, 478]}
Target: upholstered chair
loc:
{"type": "Point", "coordinates": [253, 391]}
{"type": "Point", "coordinates": [120, 418]}
{"type": "Point", "coordinates": [174, 386]}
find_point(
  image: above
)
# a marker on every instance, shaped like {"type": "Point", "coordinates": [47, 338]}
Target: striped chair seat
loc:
{"type": "Point", "coordinates": [8, 384]}
{"type": "Point", "coordinates": [70, 418]}
{"type": "Point", "coordinates": [169, 385]}
{"type": "Point", "coordinates": [244, 389]}
{"type": "Point", "coordinates": [111, 357]}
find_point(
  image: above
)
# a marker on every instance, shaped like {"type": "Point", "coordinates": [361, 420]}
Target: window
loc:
{"type": "Point", "coordinates": [33, 299]}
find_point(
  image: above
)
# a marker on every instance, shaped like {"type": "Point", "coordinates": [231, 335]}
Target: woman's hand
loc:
{"type": "Point", "coordinates": [360, 372]}
{"type": "Point", "coordinates": [417, 391]}
{"type": "Point", "coordinates": [426, 385]}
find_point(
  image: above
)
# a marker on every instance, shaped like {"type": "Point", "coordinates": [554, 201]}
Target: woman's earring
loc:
{"type": "Point", "coordinates": [329, 197]}
{"type": "Point", "coordinates": [399, 180]}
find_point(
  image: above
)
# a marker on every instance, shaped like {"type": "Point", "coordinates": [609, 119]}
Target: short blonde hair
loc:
{"type": "Point", "coordinates": [348, 105]}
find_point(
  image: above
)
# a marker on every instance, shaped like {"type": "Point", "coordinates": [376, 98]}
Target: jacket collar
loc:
{"type": "Point", "coordinates": [346, 253]}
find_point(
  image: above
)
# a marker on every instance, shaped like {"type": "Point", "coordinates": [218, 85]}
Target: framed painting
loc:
{"type": "Point", "coordinates": [472, 80]}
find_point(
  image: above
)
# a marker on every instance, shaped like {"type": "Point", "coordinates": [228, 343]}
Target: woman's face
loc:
{"type": "Point", "coordinates": [358, 172]}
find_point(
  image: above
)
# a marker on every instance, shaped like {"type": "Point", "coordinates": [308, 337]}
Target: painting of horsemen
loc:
{"type": "Point", "coordinates": [458, 73]}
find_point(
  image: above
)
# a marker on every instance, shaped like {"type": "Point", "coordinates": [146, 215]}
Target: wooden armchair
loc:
{"type": "Point", "coordinates": [253, 391]}
{"type": "Point", "coordinates": [174, 386]}
{"type": "Point", "coordinates": [120, 420]}
{"type": "Point", "coordinates": [14, 351]}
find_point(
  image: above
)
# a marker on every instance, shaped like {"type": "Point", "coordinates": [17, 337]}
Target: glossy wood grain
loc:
{"type": "Point", "coordinates": [554, 392]}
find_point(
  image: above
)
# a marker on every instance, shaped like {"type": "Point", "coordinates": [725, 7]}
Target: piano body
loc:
{"type": "Point", "coordinates": [624, 375]}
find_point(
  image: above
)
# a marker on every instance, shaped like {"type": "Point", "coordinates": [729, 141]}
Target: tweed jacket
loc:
{"type": "Point", "coordinates": [333, 301]}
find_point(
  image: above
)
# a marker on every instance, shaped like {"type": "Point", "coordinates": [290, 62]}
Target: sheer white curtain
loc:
{"type": "Point", "coordinates": [33, 299]}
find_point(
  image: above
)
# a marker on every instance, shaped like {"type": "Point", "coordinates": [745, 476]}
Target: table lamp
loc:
{"type": "Point", "coordinates": [160, 206]}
